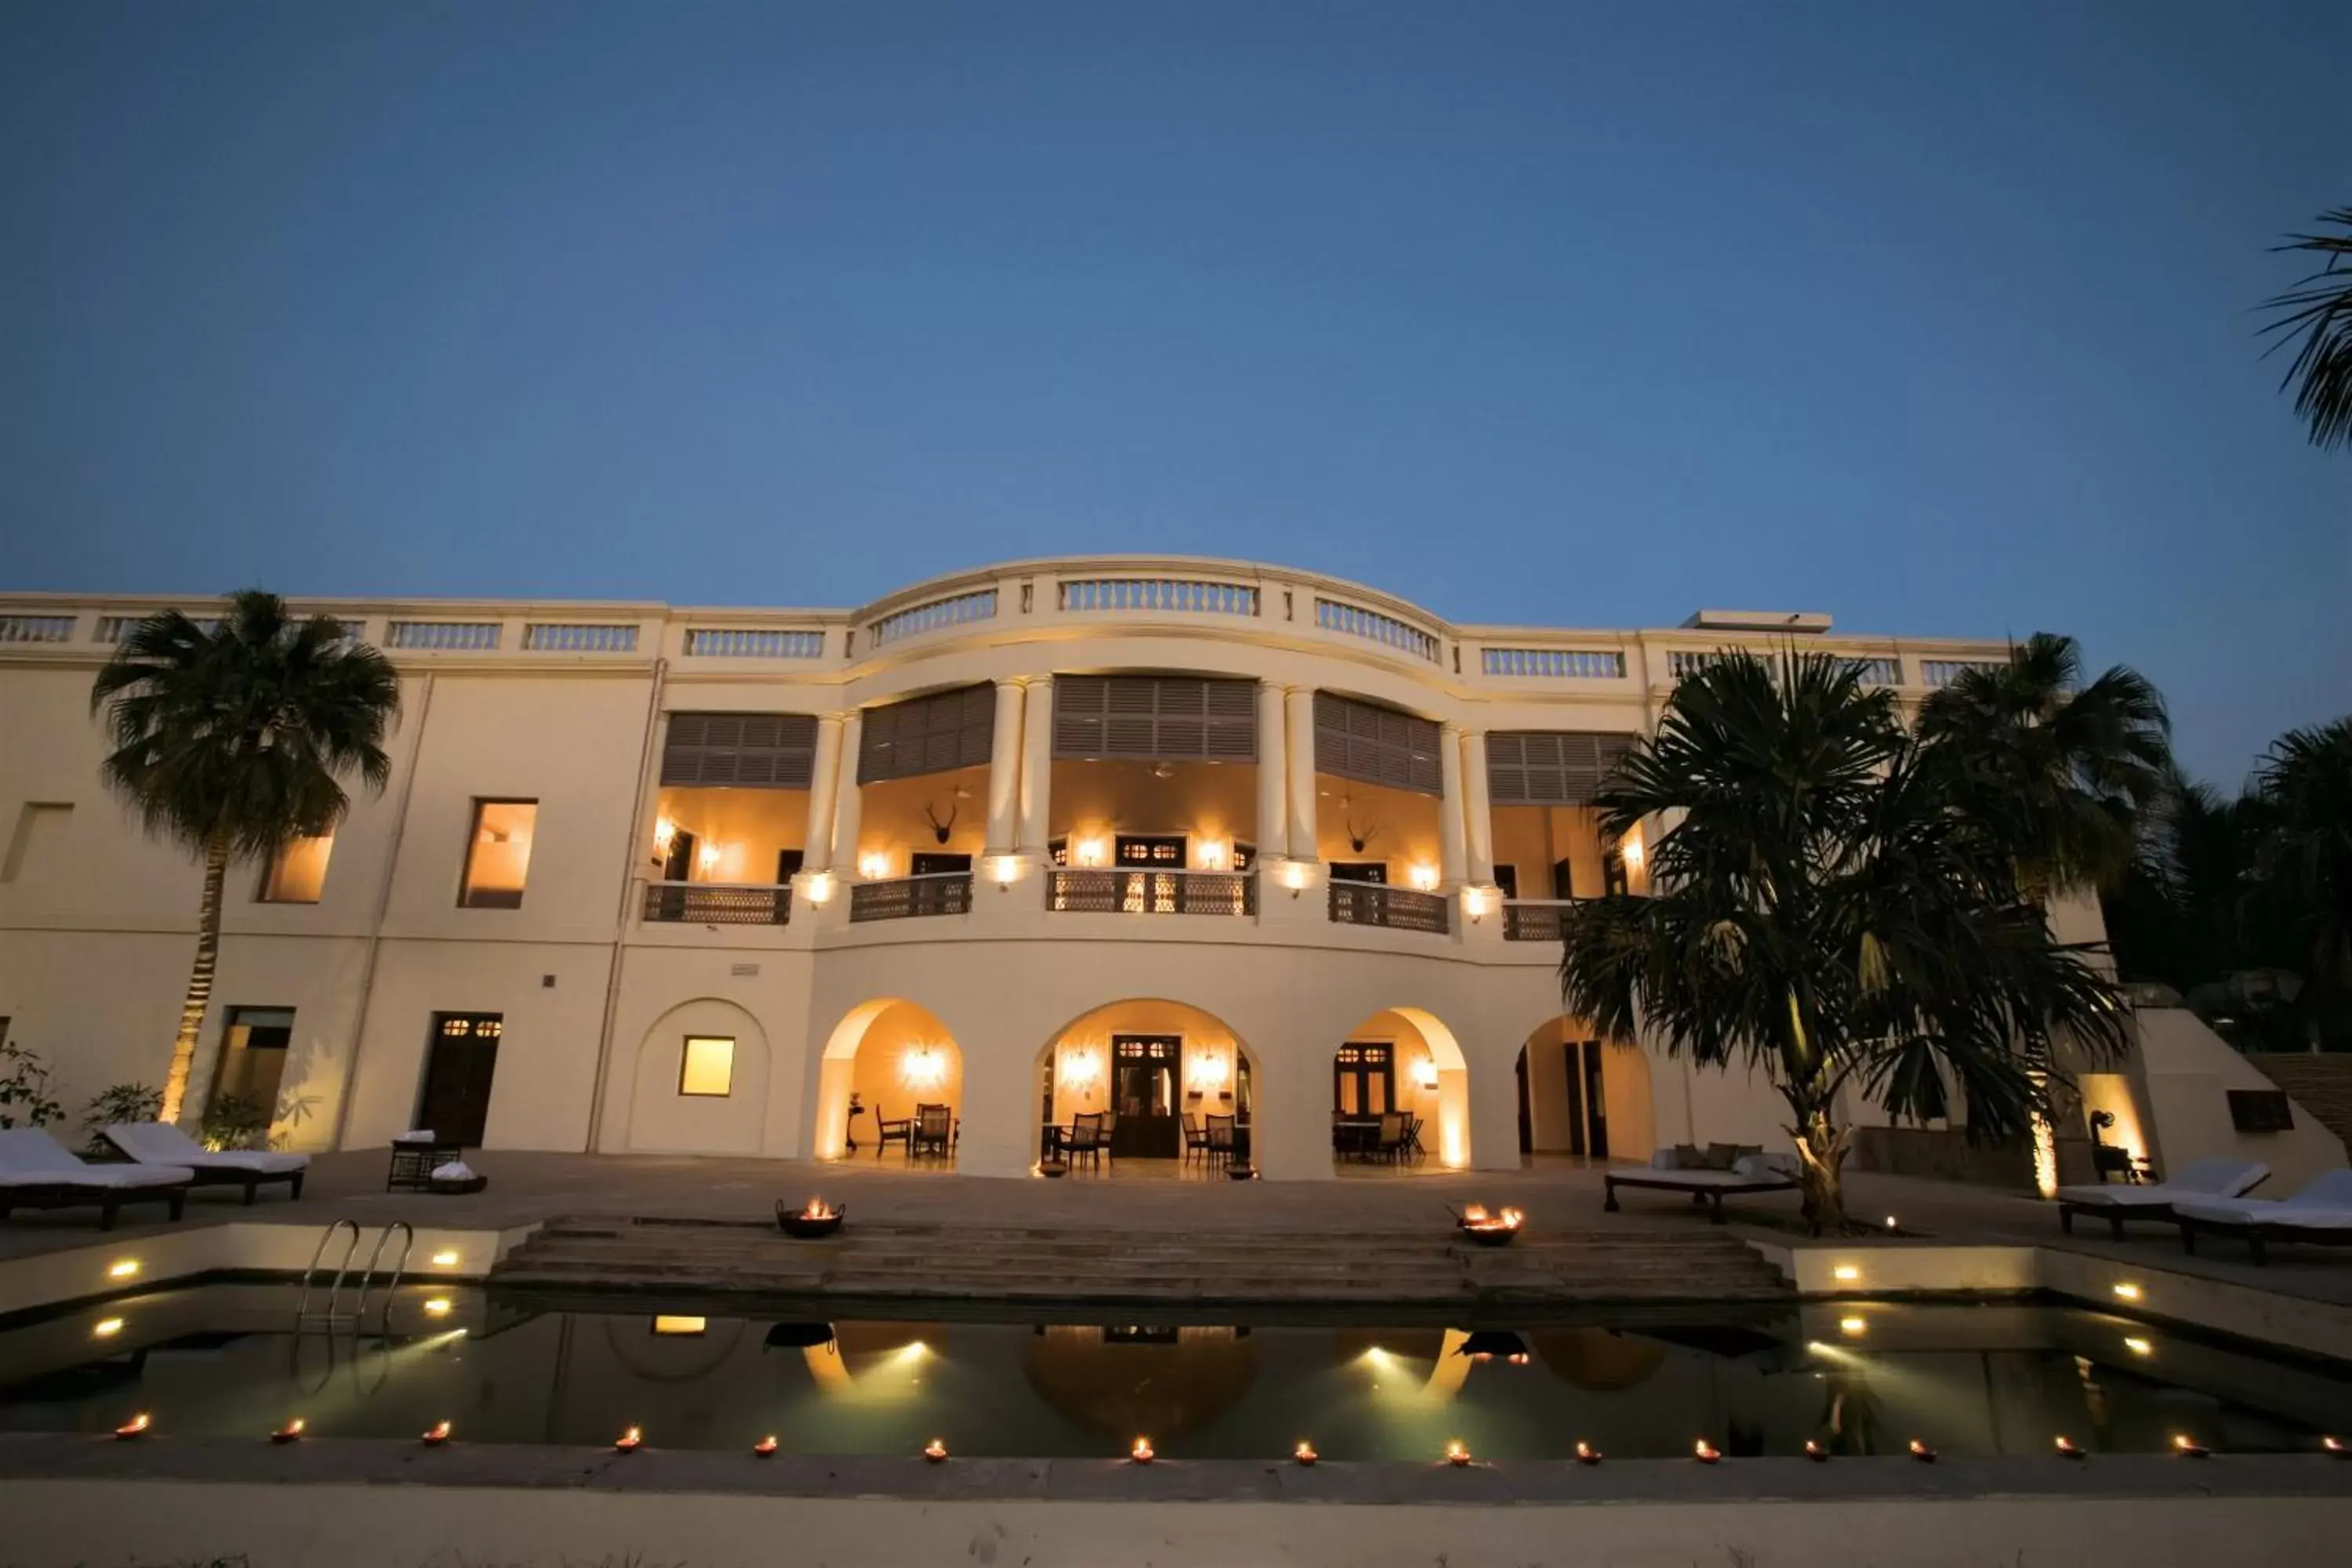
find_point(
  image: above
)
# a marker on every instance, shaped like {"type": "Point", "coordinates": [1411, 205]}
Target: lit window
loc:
{"type": "Point", "coordinates": [708, 1068]}
{"type": "Point", "coordinates": [498, 854]}
{"type": "Point", "coordinates": [297, 872]}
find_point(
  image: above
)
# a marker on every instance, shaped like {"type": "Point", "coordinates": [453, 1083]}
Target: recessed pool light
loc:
{"type": "Point", "coordinates": [106, 1328]}
{"type": "Point", "coordinates": [2138, 1346]}
{"type": "Point", "coordinates": [2128, 1293]}
{"type": "Point", "coordinates": [445, 1261]}
{"type": "Point", "coordinates": [122, 1268]}
{"type": "Point", "coordinates": [439, 1307]}
{"type": "Point", "coordinates": [1847, 1272]}
{"type": "Point", "coordinates": [1852, 1325]}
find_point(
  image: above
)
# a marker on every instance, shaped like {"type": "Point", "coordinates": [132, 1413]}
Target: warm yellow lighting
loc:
{"type": "Point", "coordinates": [436, 1434]}
{"type": "Point", "coordinates": [1207, 1073]}
{"type": "Point", "coordinates": [2128, 1293]}
{"type": "Point", "coordinates": [1090, 852]}
{"type": "Point", "coordinates": [820, 888]}
{"type": "Point", "coordinates": [1630, 850]}
{"type": "Point", "coordinates": [1305, 1453]}
{"type": "Point", "coordinates": [1586, 1454]}
{"type": "Point", "coordinates": [2138, 1346]}
{"type": "Point", "coordinates": [289, 1433]}
{"type": "Point", "coordinates": [873, 865]}
{"type": "Point", "coordinates": [667, 1323]}
{"type": "Point", "coordinates": [1006, 869]}
{"type": "Point", "coordinates": [1891, 1225]}
{"type": "Point", "coordinates": [925, 1067]}
{"type": "Point", "coordinates": [2187, 1447]}
{"type": "Point", "coordinates": [664, 833]}
{"type": "Point", "coordinates": [1423, 876]}
{"type": "Point", "coordinates": [2066, 1448]}
{"type": "Point", "coordinates": [766, 1447]}
{"type": "Point", "coordinates": [1081, 1069]}
{"type": "Point", "coordinates": [1425, 1072]}
{"type": "Point", "coordinates": [936, 1451]}
{"type": "Point", "coordinates": [709, 856]}
{"type": "Point", "coordinates": [1705, 1452]}
{"type": "Point", "coordinates": [136, 1427]}
{"type": "Point", "coordinates": [1294, 876]}
{"type": "Point", "coordinates": [1213, 854]}
{"type": "Point", "coordinates": [1476, 903]}
{"type": "Point", "coordinates": [445, 1261]}
{"type": "Point", "coordinates": [122, 1268]}
{"type": "Point", "coordinates": [1142, 1453]}
{"type": "Point", "coordinates": [2045, 1157]}
{"type": "Point", "coordinates": [706, 1068]}
{"type": "Point", "coordinates": [1846, 1273]}
{"type": "Point", "coordinates": [1815, 1452]}
{"type": "Point", "coordinates": [629, 1441]}
{"type": "Point", "coordinates": [106, 1328]}
{"type": "Point", "coordinates": [1852, 1326]}
{"type": "Point", "coordinates": [1921, 1452]}
{"type": "Point", "coordinates": [439, 1307]}
{"type": "Point", "coordinates": [1457, 1453]}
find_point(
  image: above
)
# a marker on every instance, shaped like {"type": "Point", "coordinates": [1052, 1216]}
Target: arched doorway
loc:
{"type": "Point", "coordinates": [888, 1066]}
{"type": "Point", "coordinates": [1581, 1096]}
{"type": "Point", "coordinates": [1159, 1070]}
{"type": "Point", "coordinates": [1400, 1062]}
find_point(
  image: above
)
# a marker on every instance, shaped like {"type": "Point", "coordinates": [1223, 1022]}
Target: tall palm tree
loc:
{"type": "Point", "coordinates": [233, 742]}
{"type": "Point", "coordinates": [2304, 867]}
{"type": "Point", "coordinates": [2318, 311]}
{"type": "Point", "coordinates": [2058, 771]}
{"type": "Point", "coordinates": [1823, 908]}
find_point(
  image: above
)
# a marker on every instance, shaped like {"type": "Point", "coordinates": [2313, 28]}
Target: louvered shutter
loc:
{"type": "Point", "coordinates": [934, 734]}
{"type": "Point", "coordinates": [1156, 717]}
{"type": "Point", "coordinates": [740, 750]}
{"type": "Point", "coordinates": [1357, 740]}
{"type": "Point", "coordinates": [1552, 767]}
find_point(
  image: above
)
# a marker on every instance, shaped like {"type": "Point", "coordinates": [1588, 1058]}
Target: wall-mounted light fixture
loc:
{"type": "Point", "coordinates": [1629, 849]}
{"type": "Point", "coordinates": [1423, 876]}
{"type": "Point", "coordinates": [1206, 1073]}
{"type": "Point", "coordinates": [1425, 1072]}
{"type": "Point", "coordinates": [710, 857]}
{"type": "Point", "coordinates": [664, 833]}
{"type": "Point", "coordinates": [1473, 904]}
{"type": "Point", "coordinates": [1294, 876]}
{"type": "Point", "coordinates": [925, 1067]}
{"type": "Point", "coordinates": [1214, 854]}
{"type": "Point", "coordinates": [873, 865]}
{"type": "Point", "coordinates": [1006, 869]}
{"type": "Point", "coordinates": [820, 888]}
{"type": "Point", "coordinates": [1090, 852]}
{"type": "Point", "coordinates": [1081, 1069]}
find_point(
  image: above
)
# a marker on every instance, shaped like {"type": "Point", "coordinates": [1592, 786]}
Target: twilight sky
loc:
{"type": "Point", "coordinates": [1933, 316]}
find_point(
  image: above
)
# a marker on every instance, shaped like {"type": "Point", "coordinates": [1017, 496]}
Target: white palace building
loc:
{"type": "Point", "coordinates": [1169, 838]}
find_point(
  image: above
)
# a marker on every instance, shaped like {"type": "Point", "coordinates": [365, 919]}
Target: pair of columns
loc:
{"type": "Point", "coordinates": [1020, 783]}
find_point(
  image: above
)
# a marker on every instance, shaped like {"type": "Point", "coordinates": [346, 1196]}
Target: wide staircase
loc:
{"type": "Point", "coordinates": [686, 1259]}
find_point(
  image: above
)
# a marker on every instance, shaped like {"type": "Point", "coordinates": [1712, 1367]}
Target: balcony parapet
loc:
{"type": "Point", "coordinates": [718, 903]}
{"type": "Point", "coordinates": [1152, 892]}
{"type": "Point", "coordinates": [911, 898]}
{"type": "Point", "coordinates": [1397, 908]}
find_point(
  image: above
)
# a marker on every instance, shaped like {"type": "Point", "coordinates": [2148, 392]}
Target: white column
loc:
{"type": "Point", "coordinates": [1300, 755]}
{"type": "Point", "coordinates": [847, 802]}
{"type": "Point", "coordinates": [816, 844]}
{"type": "Point", "coordinates": [1036, 767]}
{"type": "Point", "coordinates": [1272, 814]}
{"type": "Point", "coordinates": [1005, 768]}
{"type": "Point", "coordinates": [1449, 805]}
{"type": "Point", "coordinates": [1477, 808]}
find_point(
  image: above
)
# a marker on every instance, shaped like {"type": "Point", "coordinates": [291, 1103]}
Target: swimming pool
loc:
{"type": "Point", "coordinates": [1856, 1377]}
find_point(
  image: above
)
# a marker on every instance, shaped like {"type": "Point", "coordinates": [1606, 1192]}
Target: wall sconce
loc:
{"type": "Point", "coordinates": [1090, 852]}
{"type": "Point", "coordinates": [1294, 876]}
{"type": "Point", "coordinates": [709, 856]}
{"type": "Point", "coordinates": [1081, 1069]}
{"type": "Point", "coordinates": [1214, 852]}
{"type": "Point", "coordinates": [1629, 849]}
{"type": "Point", "coordinates": [1473, 904]}
{"type": "Point", "coordinates": [873, 865]}
{"type": "Point", "coordinates": [1423, 876]}
{"type": "Point", "coordinates": [820, 888]}
{"type": "Point", "coordinates": [925, 1067]}
{"type": "Point", "coordinates": [1207, 1073]}
{"type": "Point", "coordinates": [1425, 1072]}
{"type": "Point", "coordinates": [664, 833]}
{"type": "Point", "coordinates": [1006, 869]}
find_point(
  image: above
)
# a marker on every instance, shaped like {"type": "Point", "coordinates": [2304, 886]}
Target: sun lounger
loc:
{"type": "Point", "coordinates": [2321, 1212]}
{"type": "Point", "coordinates": [1748, 1173]}
{"type": "Point", "coordinates": [37, 1171]}
{"type": "Point", "coordinates": [2153, 1200]}
{"type": "Point", "coordinates": [161, 1143]}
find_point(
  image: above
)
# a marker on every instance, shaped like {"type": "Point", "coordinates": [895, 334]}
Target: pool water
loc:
{"type": "Point", "coordinates": [1860, 1378]}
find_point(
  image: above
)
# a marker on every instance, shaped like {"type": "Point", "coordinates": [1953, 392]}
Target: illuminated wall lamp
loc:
{"type": "Point", "coordinates": [1423, 878]}
{"type": "Point", "coordinates": [1090, 852]}
{"type": "Point", "coordinates": [709, 856]}
{"type": "Point", "coordinates": [664, 833]}
{"type": "Point", "coordinates": [1630, 851]}
{"type": "Point", "coordinates": [1425, 1072]}
{"type": "Point", "coordinates": [1212, 855]}
{"type": "Point", "coordinates": [1006, 869]}
{"type": "Point", "coordinates": [925, 1067]}
{"type": "Point", "coordinates": [1294, 876]}
{"type": "Point", "coordinates": [873, 865]}
{"type": "Point", "coordinates": [1473, 904]}
{"type": "Point", "coordinates": [1081, 1069]}
{"type": "Point", "coordinates": [820, 888]}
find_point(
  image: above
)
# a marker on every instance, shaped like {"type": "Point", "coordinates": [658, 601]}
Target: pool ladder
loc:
{"type": "Point", "coordinates": [332, 1318]}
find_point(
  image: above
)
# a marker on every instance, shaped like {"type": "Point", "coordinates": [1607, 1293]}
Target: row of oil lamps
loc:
{"type": "Point", "coordinates": [1457, 1453]}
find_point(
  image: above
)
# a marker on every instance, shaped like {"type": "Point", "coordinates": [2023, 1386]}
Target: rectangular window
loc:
{"type": "Point", "coordinates": [935, 734]}
{"type": "Point", "coordinates": [253, 1060]}
{"type": "Point", "coordinates": [498, 854]}
{"type": "Point", "coordinates": [707, 1067]}
{"type": "Point", "coordinates": [1552, 767]}
{"type": "Point", "coordinates": [37, 842]}
{"type": "Point", "coordinates": [298, 872]}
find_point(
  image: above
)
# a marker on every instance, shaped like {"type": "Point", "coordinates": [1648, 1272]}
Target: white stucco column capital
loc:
{"type": "Point", "coordinates": [1299, 755]}
{"type": "Point", "coordinates": [1004, 766]}
{"type": "Point", "coordinates": [1035, 805]}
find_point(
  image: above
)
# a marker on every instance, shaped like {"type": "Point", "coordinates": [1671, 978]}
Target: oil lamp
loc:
{"type": "Point", "coordinates": [1457, 1453]}
{"type": "Point", "coordinates": [2067, 1449]}
{"type": "Point", "coordinates": [436, 1434]}
{"type": "Point", "coordinates": [1921, 1452]}
{"type": "Point", "coordinates": [935, 1451]}
{"type": "Point", "coordinates": [1705, 1453]}
{"type": "Point", "coordinates": [2188, 1448]}
{"type": "Point", "coordinates": [1305, 1453]}
{"type": "Point", "coordinates": [134, 1428]}
{"type": "Point", "coordinates": [766, 1447]}
{"type": "Point", "coordinates": [2337, 1447]}
{"type": "Point", "coordinates": [289, 1433]}
{"type": "Point", "coordinates": [1586, 1454]}
{"type": "Point", "coordinates": [1815, 1452]}
{"type": "Point", "coordinates": [630, 1441]}
{"type": "Point", "coordinates": [1141, 1453]}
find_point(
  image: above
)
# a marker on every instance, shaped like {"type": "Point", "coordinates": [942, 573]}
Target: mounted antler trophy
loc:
{"type": "Point", "coordinates": [1359, 836]}
{"type": "Point", "coordinates": [940, 829]}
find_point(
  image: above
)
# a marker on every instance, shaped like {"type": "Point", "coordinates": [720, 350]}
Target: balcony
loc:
{"type": "Point", "coordinates": [1125, 892]}
{"type": "Point", "coordinates": [718, 903]}
{"type": "Point", "coordinates": [1398, 909]}
{"type": "Point", "coordinates": [1534, 920]}
{"type": "Point", "coordinates": [908, 898]}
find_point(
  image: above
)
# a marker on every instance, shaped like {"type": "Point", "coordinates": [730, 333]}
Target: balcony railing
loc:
{"type": "Point", "coordinates": [1131, 892]}
{"type": "Point", "coordinates": [1533, 920]}
{"type": "Point", "coordinates": [939, 893]}
{"type": "Point", "coordinates": [1399, 909]}
{"type": "Point", "coordinates": [718, 903]}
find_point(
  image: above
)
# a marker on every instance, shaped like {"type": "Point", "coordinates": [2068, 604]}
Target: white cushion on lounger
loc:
{"type": "Point", "coordinates": [2206, 1178]}
{"type": "Point", "coordinates": [1759, 1174]}
{"type": "Point", "coordinates": [161, 1143]}
{"type": "Point", "coordinates": [29, 1157]}
{"type": "Point", "coordinates": [2328, 1194]}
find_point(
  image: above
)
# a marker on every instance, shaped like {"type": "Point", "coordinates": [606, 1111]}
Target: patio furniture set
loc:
{"type": "Point", "coordinates": [1393, 1136]}
{"type": "Point", "coordinates": [2208, 1198]}
{"type": "Point", "coordinates": [161, 1164]}
{"type": "Point", "coordinates": [931, 1132]}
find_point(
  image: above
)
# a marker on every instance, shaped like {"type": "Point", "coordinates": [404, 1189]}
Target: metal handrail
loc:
{"type": "Point", "coordinates": [302, 1303]}
{"type": "Point", "coordinates": [408, 1242]}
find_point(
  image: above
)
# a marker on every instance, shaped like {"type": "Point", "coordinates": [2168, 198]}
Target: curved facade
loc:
{"type": "Point", "coordinates": [1169, 838]}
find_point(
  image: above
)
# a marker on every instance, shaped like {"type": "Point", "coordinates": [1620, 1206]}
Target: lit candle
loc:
{"type": "Point", "coordinates": [629, 1441]}
{"type": "Point", "coordinates": [1705, 1452]}
{"type": "Point", "coordinates": [1141, 1453]}
{"type": "Point", "coordinates": [2066, 1448]}
{"type": "Point", "coordinates": [134, 1428]}
{"type": "Point", "coordinates": [1519, 1358]}
{"type": "Point", "coordinates": [766, 1447]}
{"type": "Point", "coordinates": [2337, 1447]}
{"type": "Point", "coordinates": [436, 1434]}
{"type": "Point", "coordinates": [1586, 1454]}
{"type": "Point", "coordinates": [935, 1451]}
{"type": "Point", "coordinates": [1305, 1453]}
{"type": "Point", "coordinates": [1890, 1222]}
{"type": "Point", "coordinates": [1457, 1453]}
{"type": "Point", "coordinates": [2187, 1447]}
{"type": "Point", "coordinates": [289, 1433]}
{"type": "Point", "coordinates": [1816, 1452]}
{"type": "Point", "coordinates": [1921, 1452]}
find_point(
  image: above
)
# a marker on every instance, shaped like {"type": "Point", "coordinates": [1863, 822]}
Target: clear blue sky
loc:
{"type": "Point", "coordinates": [1931, 316]}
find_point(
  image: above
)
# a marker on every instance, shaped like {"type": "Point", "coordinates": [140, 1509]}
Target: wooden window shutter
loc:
{"type": "Point", "coordinates": [1154, 717]}
{"type": "Point", "coordinates": [1552, 767]}
{"type": "Point", "coordinates": [934, 734]}
{"type": "Point", "coordinates": [1363, 740]}
{"type": "Point", "coordinates": [740, 750]}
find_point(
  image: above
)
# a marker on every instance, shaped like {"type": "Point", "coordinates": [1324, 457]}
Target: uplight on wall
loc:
{"type": "Point", "coordinates": [1476, 903]}
{"type": "Point", "coordinates": [925, 1067]}
{"type": "Point", "coordinates": [1090, 852]}
{"type": "Point", "coordinates": [820, 888]}
{"type": "Point", "coordinates": [873, 865]}
{"type": "Point", "coordinates": [664, 833]}
{"type": "Point", "coordinates": [1631, 851]}
{"type": "Point", "coordinates": [1294, 876]}
{"type": "Point", "coordinates": [1082, 1069]}
{"type": "Point", "coordinates": [1423, 876]}
{"type": "Point", "coordinates": [1214, 854]}
{"type": "Point", "coordinates": [1425, 1072]}
{"type": "Point", "coordinates": [1207, 1073]}
{"type": "Point", "coordinates": [1006, 870]}
{"type": "Point", "coordinates": [709, 856]}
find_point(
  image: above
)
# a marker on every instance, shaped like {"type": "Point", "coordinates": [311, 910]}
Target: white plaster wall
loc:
{"type": "Point", "coordinates": [774, 995]}
{"type": "Point", "coordinates": [2188, 1071]}
{"type": "Point", "coordinates": [663, 1121]}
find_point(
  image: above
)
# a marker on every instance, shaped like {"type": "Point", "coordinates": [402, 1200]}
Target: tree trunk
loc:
{"type": "Point", "coordinates": [1821, 1171]}
{"type": "Point", "coordinates": [200, 984]}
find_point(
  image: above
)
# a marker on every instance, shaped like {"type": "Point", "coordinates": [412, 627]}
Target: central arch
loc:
{"type": "Point", "coordinates": [885, 1058]}
{"type": "Point", "coordinates": [1159, 1068]}
{"type": "Point", "coordinates": [1403, 1060]}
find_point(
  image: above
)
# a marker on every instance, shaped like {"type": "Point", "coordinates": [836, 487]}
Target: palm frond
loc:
{"type": "Point", "coordinates": [2314, 316]}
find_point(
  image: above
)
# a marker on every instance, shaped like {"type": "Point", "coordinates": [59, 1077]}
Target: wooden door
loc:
{"type": "Point", "coordinates": [1144, 1096]}
{"type": "Point", "coordinates": [458, 1065]}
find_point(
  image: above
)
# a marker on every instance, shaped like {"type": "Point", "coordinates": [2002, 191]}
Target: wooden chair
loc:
{"type": "Point", "coordinates": [900, 1131]}
{"type": "Point", "coordinates": [1196, 1137]}
{"type": "Point", "coordinates": [1388, 1140]}
{"type": "Point", "coordinates": [934, 1125]}
{"type": "Point", "coordinates": [1086, 1141]}
{"type": "Point", "coordinates": [1221, 1139]}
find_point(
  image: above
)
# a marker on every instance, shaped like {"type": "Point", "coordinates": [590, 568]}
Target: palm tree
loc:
{"type": "Point", "coordinates": [232, 742]}
{"type": "Point", "coordinates": [2318, 311]}
{"type": "Point", "coordinates": [1824, 908]}
{"type": "Point", "coordinates": [2058, 771]}
{"type": "Point", "coordinates": [2305, 866]}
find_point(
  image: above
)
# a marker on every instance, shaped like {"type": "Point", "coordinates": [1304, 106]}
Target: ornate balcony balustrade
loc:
{"type": "Point", "coordinates": [1141, 892]}
{"type": "Point", "coordinates": [1399, 909]}
{"type": "Point", "coordinates": [718, 903]}
{"type": "Point", "coordinates": [1533, 920]}
{"type": "Point", "coordinates": [907, 898]}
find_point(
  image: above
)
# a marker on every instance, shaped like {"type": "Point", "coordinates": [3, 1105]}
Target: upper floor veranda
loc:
{"type": "Point", "coordinates": [1049, 744]}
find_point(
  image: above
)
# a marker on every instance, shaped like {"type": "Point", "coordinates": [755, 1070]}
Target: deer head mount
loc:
{"type": "Point", "coordinates": [1359, 836]}
{"type": "Point", "coordinates": [940, 829]}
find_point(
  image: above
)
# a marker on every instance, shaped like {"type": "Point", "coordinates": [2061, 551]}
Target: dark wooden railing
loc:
{"type": "Point", "coordinates": [1532, 921]}
{"type": "Point", "coordinates": [907, 898]}
{"type": "Point", "coordinates": [718, 903]}
{"type": "Point", "coordinates": [1399, 909]}
{"type": "Point", "coordinates": [1129, 892]}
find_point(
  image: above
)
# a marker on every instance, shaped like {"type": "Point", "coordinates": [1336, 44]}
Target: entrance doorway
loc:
{"type": "Point", "coordinates": [458, 1063]}
{"type": "Point", "coordinates": [1143, 1095]}
{"type": "Point", "coordinates": [1563, 1099]}
{"type": "Point", "coordinates": [253, 1058]}
{"type": "Point", "coordinates": [1363, 1080]}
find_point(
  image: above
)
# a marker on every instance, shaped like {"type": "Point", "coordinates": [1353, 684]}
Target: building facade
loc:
{"type": "Point", "coordinates": [1169, 838]}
